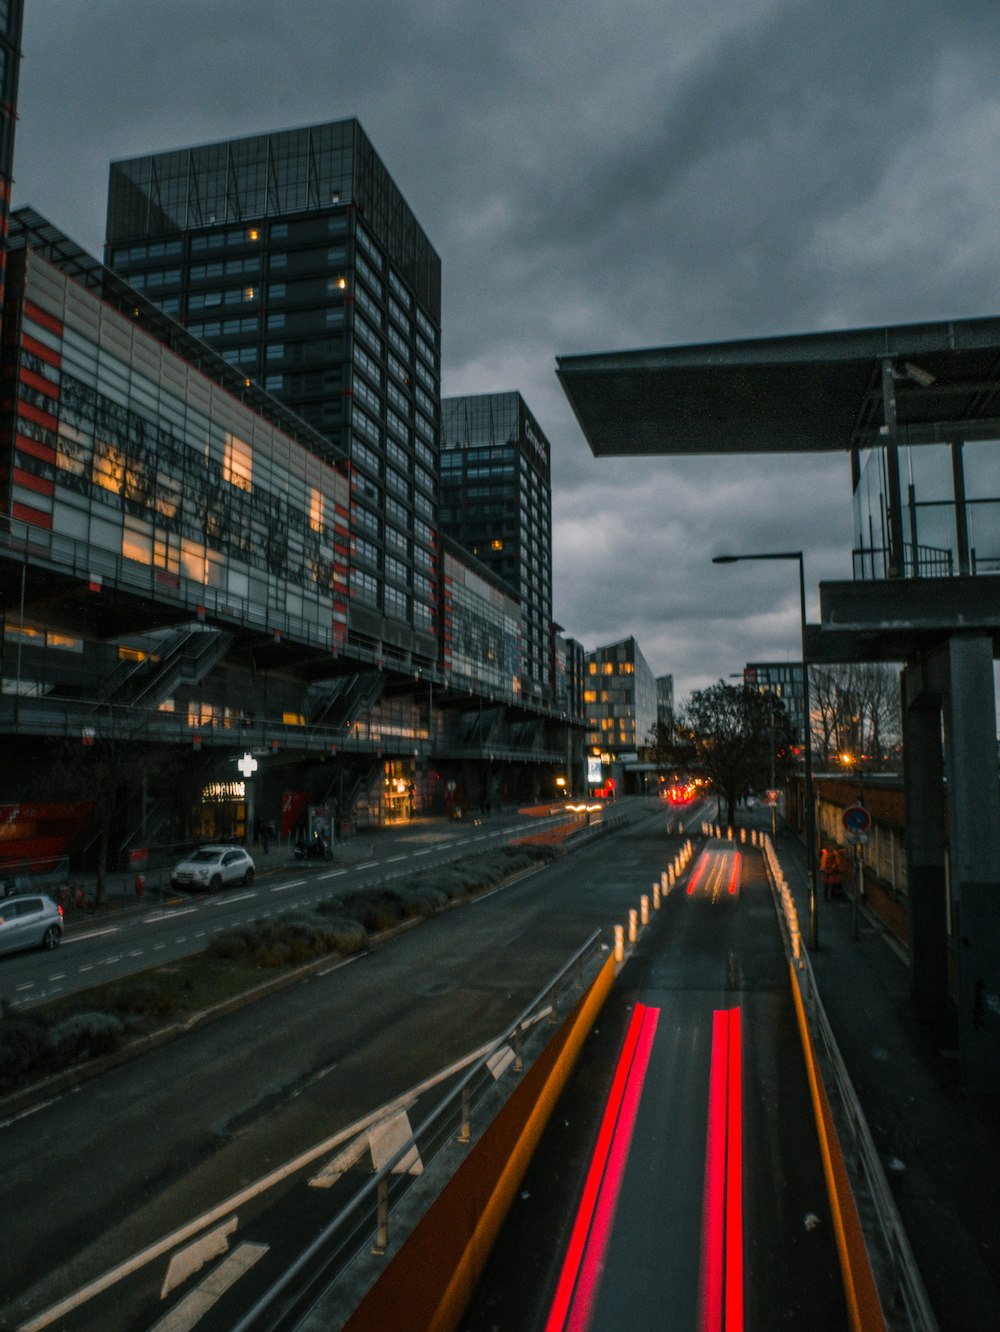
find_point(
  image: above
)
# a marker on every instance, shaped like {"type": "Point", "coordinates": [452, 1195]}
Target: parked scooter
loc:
{"type": "Point", "coordinates": [317, 849]}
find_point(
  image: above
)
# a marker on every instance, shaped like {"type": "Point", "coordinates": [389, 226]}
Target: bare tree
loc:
{"type": "Point", "coordinates": [731, 733]}
{"type": "Point", "coordinates": [855, 711]}
{"type": "Point", "coordinates": [109, 768]}
{"type": "Point", "coordinates": [659, 747]}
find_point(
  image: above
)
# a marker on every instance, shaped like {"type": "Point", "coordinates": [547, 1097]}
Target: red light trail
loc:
{"type": "Point", "coordinates": [578, 1280]}
{"type": "Point", "coordinates": [722, 1217]}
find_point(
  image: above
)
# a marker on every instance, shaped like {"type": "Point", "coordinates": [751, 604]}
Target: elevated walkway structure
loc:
{"type": "Point", "coordinates": [929, 395]}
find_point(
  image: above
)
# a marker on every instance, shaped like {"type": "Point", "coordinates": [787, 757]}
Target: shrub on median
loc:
{"type": "Point", "coordinates": [24, 1046]}
{"type": "Point", "coordinates": [33, 1044]}
{"type": "Point", "coordinates": [85, 1036]}
{"type": "Point", "coordinates": [291, 939]}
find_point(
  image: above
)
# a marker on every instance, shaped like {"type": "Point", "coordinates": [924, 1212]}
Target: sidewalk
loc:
{"type": "Point", "coordinates": [940, 1148]}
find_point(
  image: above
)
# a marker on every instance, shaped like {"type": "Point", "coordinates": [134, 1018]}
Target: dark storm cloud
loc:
{"type": "Point", "coordinates": [597, 177]}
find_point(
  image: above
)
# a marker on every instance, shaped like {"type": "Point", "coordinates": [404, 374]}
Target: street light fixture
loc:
{"type": "Point", "coordinates": [809, 797]}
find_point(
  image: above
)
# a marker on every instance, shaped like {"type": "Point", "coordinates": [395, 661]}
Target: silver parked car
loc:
{"type": "Point", "coordinates": [213, 867]}
{"type": "Point", "coordinates": [29, 920]}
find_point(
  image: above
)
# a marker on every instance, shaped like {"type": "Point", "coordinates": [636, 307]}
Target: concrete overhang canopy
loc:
{"type": "Point", "coordinates": [807, 393]}
{"type": "Point", "coordinates": [901, 619]}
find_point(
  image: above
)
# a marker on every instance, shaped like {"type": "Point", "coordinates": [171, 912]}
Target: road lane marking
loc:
{"type": "Point", "coordinates": [60, 975]}
{"type": "Point", "coordinates": [193, 1257]}
{"type": "Point", "coordinates": [194, 1306]}
{"type": "Point", "coordinates": [236, 897]}
{"type": "Point", "coordinates": [392, 859]}
{"type": "Point", "coordinates": [331, 874]}
{"type": "Point", "coordinates": [499, 1063]}
{"type": "Point", "coordinates": [28, 985]}
{"type": "Point", "coordinates": [581, 1271]}
{"type": "Point", "coordinates": [134, 1264]}
{"type": "Point", "coordinates": [369, 864]}
{"type": "Point", "coordinates": [351, 1154]}
{"type": "Point", "coordinates": [91, 934]}
{"type": "Point", "coordinates": [389, 1137]}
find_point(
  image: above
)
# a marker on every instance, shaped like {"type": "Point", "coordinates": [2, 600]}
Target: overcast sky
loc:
{"type": "Point", "coordinates": [598, 177]}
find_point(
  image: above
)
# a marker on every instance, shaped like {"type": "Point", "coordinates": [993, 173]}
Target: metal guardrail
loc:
{"type": "Point", "coordinates": [369, 1217]}
{"type": "Point", "coordinates": [900, 1285]}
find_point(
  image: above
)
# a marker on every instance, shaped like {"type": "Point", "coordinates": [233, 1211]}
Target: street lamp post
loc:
{"type": "Point", "coordinates": [807, 717]}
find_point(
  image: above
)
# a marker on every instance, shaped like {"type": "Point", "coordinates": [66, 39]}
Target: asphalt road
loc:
{"type": "Point", "coordinates": [647, 1251]}
{"type": "Point", "coordinates": [124, 943]}
{"type": "Point", "coordinates": [98, 1175]}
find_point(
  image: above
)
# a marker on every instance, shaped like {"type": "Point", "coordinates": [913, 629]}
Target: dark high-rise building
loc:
{"type": "Point", "coordinates": [296, 256]}
{"type": "Point", "coordinates": [11, 19]}
{"type": "Point", "coordinates": [496, 501]}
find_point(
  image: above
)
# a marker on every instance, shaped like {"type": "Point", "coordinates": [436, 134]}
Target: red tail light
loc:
{"type": "Point", "coordinates": [60, 910]}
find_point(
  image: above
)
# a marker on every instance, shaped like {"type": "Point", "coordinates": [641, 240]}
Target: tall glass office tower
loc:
{"type": "Point", "coordinates": [496, 502]}
{"type": "Point", "coordinates": [295, 254]}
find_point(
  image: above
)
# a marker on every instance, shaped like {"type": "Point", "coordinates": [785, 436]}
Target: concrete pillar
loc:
{"type": "Point", "coordinates": [923, 771]}
{"type": "Point", "coordinates": [974, 854]}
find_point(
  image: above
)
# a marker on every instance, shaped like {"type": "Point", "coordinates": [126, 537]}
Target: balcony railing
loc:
{"type": "Point", "coordinates": [871, 563]}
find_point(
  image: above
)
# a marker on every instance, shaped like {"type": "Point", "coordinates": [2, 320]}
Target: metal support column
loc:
{"type": "Point", "coordinates": [897, 556]}
{"type": "Point", "coordinates": [974, 851]}
{"type": "Point", "coordinates": [923, 767]}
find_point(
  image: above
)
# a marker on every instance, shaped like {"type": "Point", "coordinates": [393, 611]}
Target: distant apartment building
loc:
{"type": "Point", "coordinates": [496, 502]}
{"type": "Point", "coordinates": [620, 701]}
{"type": "Point", "coordinates": [295, 254]}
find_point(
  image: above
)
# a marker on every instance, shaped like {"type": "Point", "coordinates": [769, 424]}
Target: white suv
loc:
{"type": "Point", "coordinates": [213, 867]}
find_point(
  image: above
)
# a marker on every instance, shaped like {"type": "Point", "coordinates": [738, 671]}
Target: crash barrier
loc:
{"type": "Point", "coordinates": [882, 1283]}
{"type": "Point", "coordinates": [424, 1279]}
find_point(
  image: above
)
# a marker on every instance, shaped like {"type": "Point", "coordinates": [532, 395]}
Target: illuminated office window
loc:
{"type": "Point", "coordinates": [316, 510]}
{"type": "Point", "coordinates": [237, 464]}
{"type": "Point", "coordinates": [137, 545]}
{"type": "Point", "coordinates": [193, 560]}
{"type": "Point", "coordinates": [109, 466]}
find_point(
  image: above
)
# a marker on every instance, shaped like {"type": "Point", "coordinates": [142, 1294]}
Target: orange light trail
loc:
{"type": "Point", "coordinates": [698, 871]}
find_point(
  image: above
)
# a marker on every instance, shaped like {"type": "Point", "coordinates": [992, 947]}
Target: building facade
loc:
{"type": "Point", "coordinates": [784, 680]}
{"type": "Point", "coordinates": [480, 626]}
{"type": "Point", "coordinates": [295, 254]}
{"type": "Point", "coordinates": [496, 502]}
{"type": "Point", "coordinates": [620, 702]}
{"type": "Point", "coordinates": [665, 701]}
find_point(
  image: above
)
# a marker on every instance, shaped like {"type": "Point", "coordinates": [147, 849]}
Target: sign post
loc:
{"type": "Point", "coordinates": [772, 800]}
